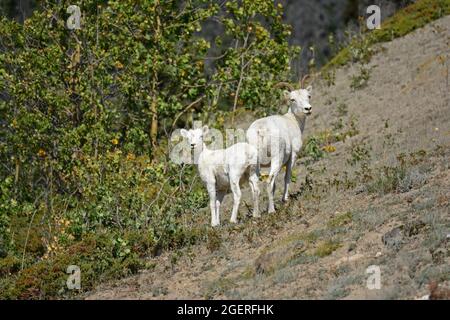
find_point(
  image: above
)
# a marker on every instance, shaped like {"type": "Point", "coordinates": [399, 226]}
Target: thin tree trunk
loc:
{"type": "Point", "coordinates": [154, 102]}
{"type": "Point", "coordinates": [241, 77]}
{"type": "Point", "coordinates": [16, 176]}
{"type": "Point", "coordinates": [154, 122]}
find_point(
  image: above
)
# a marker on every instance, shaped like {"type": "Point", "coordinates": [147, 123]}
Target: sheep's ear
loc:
{"type": "Point", "coordinates": [205, 129]}
{"type": "Point", "coordinates": [309, 89]}
{"type": "Point", "coordinates": [184, 133]}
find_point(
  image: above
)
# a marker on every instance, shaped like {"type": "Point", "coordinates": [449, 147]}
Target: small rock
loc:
{"type": "Point", "coordinates": [378, 254]}
{"type": "Point", "coordinates": [438, 292]}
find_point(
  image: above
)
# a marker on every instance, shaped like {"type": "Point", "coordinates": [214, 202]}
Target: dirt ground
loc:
{"type": "Point", "coordinates": [382, 198]}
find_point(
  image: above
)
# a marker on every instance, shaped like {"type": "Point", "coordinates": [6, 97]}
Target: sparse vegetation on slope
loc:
{"type": "Point", "coordinates": [403, 22]}
{"type": "Point", "coordinates": [380, 198]}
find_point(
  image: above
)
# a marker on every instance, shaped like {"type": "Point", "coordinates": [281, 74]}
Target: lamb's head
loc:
{"type": "Point", "coordinates": [195, 136]}
{"type": "Point", "coordinates": [298, 101]}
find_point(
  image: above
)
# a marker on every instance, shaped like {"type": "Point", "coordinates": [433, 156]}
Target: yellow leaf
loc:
{"type": "Point", "coordinates": [329, 148]}
{"type": "Point", "coordinates": [41, 153]}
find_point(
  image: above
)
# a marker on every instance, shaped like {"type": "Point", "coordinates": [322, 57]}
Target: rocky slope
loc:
{"type": "Point", "coordinates": [380, 196]}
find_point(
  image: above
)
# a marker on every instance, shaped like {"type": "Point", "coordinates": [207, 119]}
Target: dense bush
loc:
{"type": "Point", "coordinates": [85, 117]}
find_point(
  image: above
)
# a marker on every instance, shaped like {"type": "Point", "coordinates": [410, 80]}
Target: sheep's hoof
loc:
{"type": "Point", "coordinates": [233, 221]}
{"type": "Point", "coordinates": [272, 210]}
{"type": "Point", "coordinates": [215, 225]}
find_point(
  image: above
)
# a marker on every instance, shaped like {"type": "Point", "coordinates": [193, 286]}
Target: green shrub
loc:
{"type": "Point", "coordinates": [326, 248]}
{"type": "Point", "coordinates": [340, 220]}
{"type": "Point", "coordinates": [360, 80]}
{"type": "Point", "coordinates": [313, 149]}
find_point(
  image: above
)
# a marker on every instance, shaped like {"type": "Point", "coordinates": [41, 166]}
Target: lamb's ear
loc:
{"type": "Point", "coordinates": [309, 89]}
{"type": "Point", "coordinates": [205, 129]}
{"type": "Point", "coordinates": [184, 133]}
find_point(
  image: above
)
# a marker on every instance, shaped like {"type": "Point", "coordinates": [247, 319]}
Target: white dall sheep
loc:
{"type": "Point", "coordinates": [224, 169]}
{"type": "Point", "coordinates": [279, 138]}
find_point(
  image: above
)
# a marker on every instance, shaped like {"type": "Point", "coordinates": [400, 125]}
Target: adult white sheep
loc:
{"type": "Point", "coordinates": [279, 138]}
{"type": "Point", "coordinates": [225, 169]}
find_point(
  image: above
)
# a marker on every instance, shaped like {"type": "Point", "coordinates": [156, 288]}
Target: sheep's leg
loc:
{"type": "Point", "coordinates": [235, 189]}
{"type": "Point", "coordinates": [219, 199]}
{"type": "Point", "coordinates": [287, 178]}
{"type": "Point", "coordinates": [274, 170]}
{"type": "Point", "coordinates": [212, 203]}
{"type": "Point", "coordinates": [254, 180]}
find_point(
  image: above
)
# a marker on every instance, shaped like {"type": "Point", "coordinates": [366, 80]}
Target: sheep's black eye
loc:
{"type": "Point", "coordinates": [292, 100]}
{"type": "Point", "coordinates": [309, 97]}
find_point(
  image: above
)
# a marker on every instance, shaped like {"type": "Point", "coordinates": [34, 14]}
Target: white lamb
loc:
{"type": "Point", "coordinates": [224, 169]}
{"type": "Point", "coordinates": [279, 138]}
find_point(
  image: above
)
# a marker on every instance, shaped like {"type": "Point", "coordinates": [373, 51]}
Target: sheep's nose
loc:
{"type": "Point", "coordinates": [192, 145]}
{"type": "Point", "coordinates": [308, 108]}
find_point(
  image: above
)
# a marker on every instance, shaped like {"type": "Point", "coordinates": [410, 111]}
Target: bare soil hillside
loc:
{"type": "Point", "coordinates": [378, 195]}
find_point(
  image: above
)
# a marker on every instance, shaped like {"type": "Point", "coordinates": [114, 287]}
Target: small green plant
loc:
{"type": "Point", "coordinates": [294, 176]}
{"type": "Point", "coordinates": [358, 153]}
{"type": "Point", "coordinates": [401, 177]}
{"type": "Point", "coordinates": [312, 148]}
{"type": "Point", "coordinates": [340, 220]}
{"type": "Point", "coordinates": [330, 77]}
{"type": "Point", "coordinates": [389, 140]}
{"type": "Point", "coordinates": [389, 181]}
{"type": "Point", "coordinates": [341, 181]}
{"type": "Point", "coordinates": [342, 109]}
{"type": "Point", "coordinates": [214, 240]}
{"type": "Point", "coordinates": [348, 130]}
{"type": "Point", "coordinates": [326, 248]}
{"type": "Point", "coordinates": [121, 248]}
{"type": "Point", "coordinates": [361, 79]}
{"type": "Point", "coordinates": [338, 125]}
{"type": "Point", "coordinates": [365, 172]}
{"type": "Point", "coordinates": [360, 49]}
